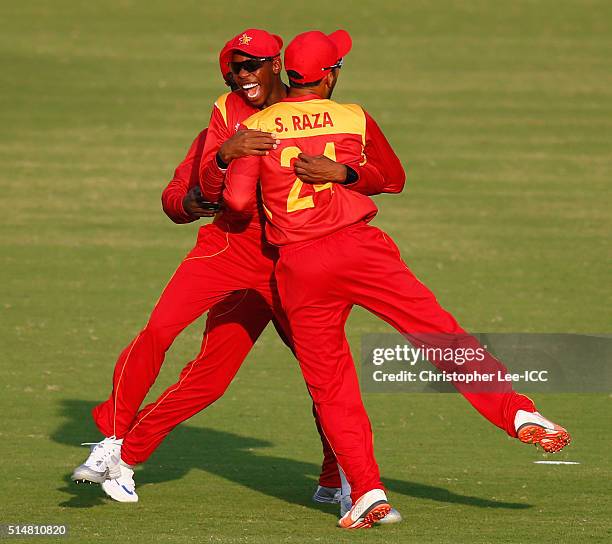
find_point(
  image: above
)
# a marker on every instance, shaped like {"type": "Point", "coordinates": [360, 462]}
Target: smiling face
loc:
{"type": "Point", "coordinates": [256, 79]}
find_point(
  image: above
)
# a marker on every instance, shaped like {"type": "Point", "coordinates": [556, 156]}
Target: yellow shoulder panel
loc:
{"type": "Point", "coordinates": [255, 121]}
{"type": "Point", "coordinates": [359, 114]}
{"type": "Point", "coordinates": [310, 118]}
{"type": "Point", "coordinates": [220, 105]}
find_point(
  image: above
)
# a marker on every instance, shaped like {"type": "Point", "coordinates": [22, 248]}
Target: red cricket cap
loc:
{"type": "Point", "coordinates": [311, 54]}
{"type": "Point", "coordinates": [225, 56]}
{"type": "Point", "coordinates": [255, 42]}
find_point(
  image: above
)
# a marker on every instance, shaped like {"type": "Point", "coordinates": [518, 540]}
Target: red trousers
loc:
{"type": "Point", "coordinates": [230, 274]}
{"type": "Point", "coordinates": [319, 282]}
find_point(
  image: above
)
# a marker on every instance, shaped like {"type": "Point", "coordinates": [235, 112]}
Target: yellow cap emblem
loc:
{"type": "Point", "coordinates": [244, 39]}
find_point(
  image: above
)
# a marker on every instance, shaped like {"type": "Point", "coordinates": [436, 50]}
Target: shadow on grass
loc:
{"type": "Point", "coordinates": [233, 457]}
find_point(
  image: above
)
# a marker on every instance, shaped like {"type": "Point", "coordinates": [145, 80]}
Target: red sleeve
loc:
{"type": "Point", "coordinates": [185, 177]}
{"type": "Point", "coordinates": [382, 171]}
{"type": "Point", "coordinates": [211, 176]}
{"type": "Point", "coordinates": [240, 193]}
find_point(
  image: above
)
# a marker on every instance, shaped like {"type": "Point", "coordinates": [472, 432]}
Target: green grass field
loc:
{"type": "Point", "coordinates": [502, 114]}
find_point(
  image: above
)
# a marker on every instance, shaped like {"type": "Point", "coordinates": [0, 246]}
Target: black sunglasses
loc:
{"type": "Point", "coordinates": [337, 65]}
{"type": "Point", "coordinates": [250, 65]}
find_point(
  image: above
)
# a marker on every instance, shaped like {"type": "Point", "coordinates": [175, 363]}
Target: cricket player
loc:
{"type": "Point", "coordinates": [331, 259]}
{"type": "Point", "coordinates": [230, 271]}
{"type": "Point", "coordinates": [235, 281]}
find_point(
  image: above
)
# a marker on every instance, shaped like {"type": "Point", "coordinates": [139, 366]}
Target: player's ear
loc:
{"type": "Point", "coordinates": [277, 65]}
{"type": "Point", "coordinates": [329, 82]}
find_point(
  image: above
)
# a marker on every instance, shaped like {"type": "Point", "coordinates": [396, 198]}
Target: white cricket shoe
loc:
{"type": "Point", "coordinates": [329, 495]}
{"type": "Point", "coordinates": [102, 463]}
{"type": "Point", "coordinates": [534, 428]}
{"type": "Point", "coordinates": [368, 509]}
{"type": "Point", "coordinates": [392, 517]}
{"type": "Point", "coordinates": [122, 489]}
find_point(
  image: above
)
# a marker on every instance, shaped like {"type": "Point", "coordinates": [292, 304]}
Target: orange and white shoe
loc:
{"type": "Point", "coordinates": [367, 510]}
{"type": "Point", "coordinates": [392, 517]}
{"type": "Point", "coordinates": [533, 428]}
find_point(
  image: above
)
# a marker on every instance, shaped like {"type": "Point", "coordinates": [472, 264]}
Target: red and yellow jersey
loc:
{"type": "Point", "coordinates": [296, 211]}
{"type": "Point", "coordinates": [229, 111]}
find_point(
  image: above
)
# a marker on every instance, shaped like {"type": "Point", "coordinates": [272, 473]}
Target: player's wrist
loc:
{"type": "Point", "coordinates": [222, 160]}
{"type": "Point", "coordinates": [350, 176]}
{"type": "Point", "coordinates": [336, 172]}
{"type": "Point", "coordinates": [186, 205]}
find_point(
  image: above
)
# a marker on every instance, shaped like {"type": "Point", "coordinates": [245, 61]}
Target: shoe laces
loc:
{"type": "Point", "coordinates": [104, 449]}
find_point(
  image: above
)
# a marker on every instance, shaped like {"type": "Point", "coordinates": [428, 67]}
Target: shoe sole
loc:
{"type": "Point", "coordinates": [84, 474]}
{"type": "Point", "coordinates": [376, 513]}
{"type": "Point", "coordinates": [550, 441]}
{"type": "Point", "coordinates": [392, 517]}
{"type": "Point", "coordinates": [117, 495]}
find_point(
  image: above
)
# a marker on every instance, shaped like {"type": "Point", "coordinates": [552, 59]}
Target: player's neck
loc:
{"type": "Point", "coordinates": [297, 92]}
{"type": "Point", "coordinates": [279, 92]}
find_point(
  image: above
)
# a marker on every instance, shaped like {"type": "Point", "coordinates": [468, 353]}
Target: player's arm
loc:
{"type": "Point", "coordinates": [379, 171]}
{"type": "Point", "coordinates": [385, 173]}
{"type": "Point", "coordinates": [240, 193]}
{"type": "Point", "coordinates": [222, 147]}
{"type": "Point", "coordinates": [181, 199]}
{"type": "Point", "coordinates": [212, 172]}
{"type": "Point", "coordinates": [362, 178]}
